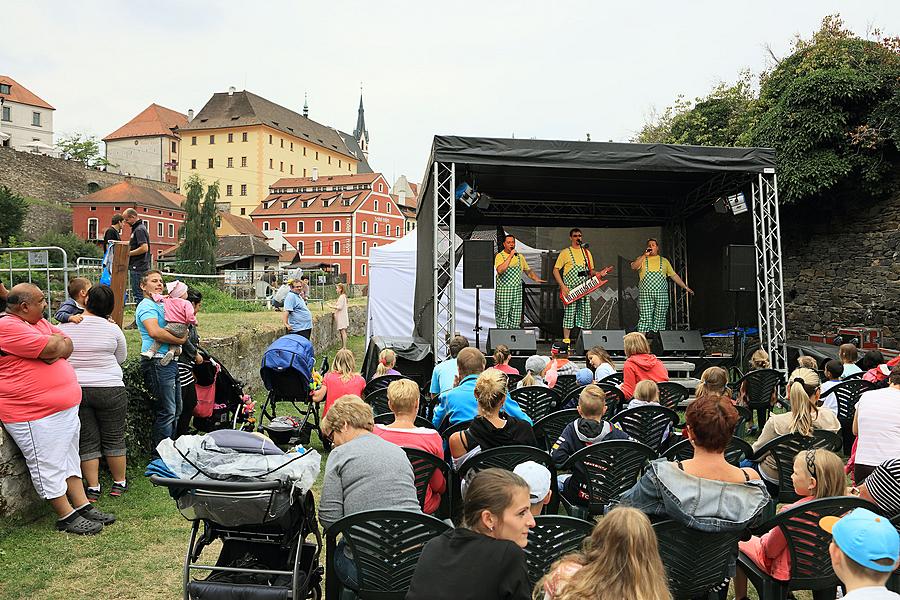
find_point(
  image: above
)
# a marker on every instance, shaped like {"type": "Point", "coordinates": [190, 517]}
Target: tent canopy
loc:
{"type": "Point", "coordinates": [597, 184]}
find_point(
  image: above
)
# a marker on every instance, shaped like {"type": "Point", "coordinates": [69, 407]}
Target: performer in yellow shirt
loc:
{"type": "Point", "coordinates": [653, 290]}
{"type": "Point", "coordinates": [510, 265]}
{"type": "Point", "coordinates": [576, 264]}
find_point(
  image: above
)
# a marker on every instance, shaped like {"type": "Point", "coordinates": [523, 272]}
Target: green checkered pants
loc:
{"type": "Point", "coordinates": [653, 299]}
{"type": "Point", "coordinates": [577, 314]}
{"type": "Point", "coordinates": [508, 306]}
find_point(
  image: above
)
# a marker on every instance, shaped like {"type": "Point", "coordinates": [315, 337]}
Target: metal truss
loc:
{"type": "Point", "coordinates": [609, 210]}
{"type": "Point", "coordinates": [769, 273]}
{"type": "Point", "coordinates": [444, 257]}
{"type": "Point", "coordinates": [680, 305]}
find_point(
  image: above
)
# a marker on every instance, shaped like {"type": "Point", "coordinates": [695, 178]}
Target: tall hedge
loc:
{"type": "Point", "coordinates": [139, 425]}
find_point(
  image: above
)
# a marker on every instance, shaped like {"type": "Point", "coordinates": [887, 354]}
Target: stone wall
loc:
{"type": "Point", "coordinates": [46, 217]}
{"type": "Point", "coordinates": [842, 267]}
{"type": "Point", "coordinates": [57, 179]}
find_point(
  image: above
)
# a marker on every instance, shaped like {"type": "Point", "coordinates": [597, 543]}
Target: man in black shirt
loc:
{"type": "Point", "coordinates": [138, 252]}
{"type": "Point", "coordinates": [112, 233]}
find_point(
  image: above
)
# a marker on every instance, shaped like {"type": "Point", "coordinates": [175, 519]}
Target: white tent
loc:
{"type": "Point", "coordinates": [392, 286]}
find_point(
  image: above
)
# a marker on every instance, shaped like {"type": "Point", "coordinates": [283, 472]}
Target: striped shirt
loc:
{"type": "Point", "coordinates": [98, 351]}
{"type": "Point", "coordinates": [884, 486]}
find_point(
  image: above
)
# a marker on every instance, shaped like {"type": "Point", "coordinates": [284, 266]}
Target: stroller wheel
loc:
{"type": "Point", "coordinates": [315, 592]}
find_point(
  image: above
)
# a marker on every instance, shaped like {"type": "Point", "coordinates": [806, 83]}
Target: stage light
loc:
{"type": "Point", "coordinates": [465, 193]}
{"type": "Point", "coordinates": [737, 203]}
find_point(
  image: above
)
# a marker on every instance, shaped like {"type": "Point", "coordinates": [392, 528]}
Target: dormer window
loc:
{"type": "Point", "coordinates": [5, 88]}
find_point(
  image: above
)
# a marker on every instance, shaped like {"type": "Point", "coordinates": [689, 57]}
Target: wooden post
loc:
{"type": "Point", "coordinates": [120, 279]}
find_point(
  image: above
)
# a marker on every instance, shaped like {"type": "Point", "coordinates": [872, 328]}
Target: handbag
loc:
{"type": "Point", "coordinates": [106, 273]}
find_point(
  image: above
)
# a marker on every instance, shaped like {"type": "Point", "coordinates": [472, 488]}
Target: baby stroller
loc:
{"type": "Point", "coordinates": [255, 500]}
{"type": "Point", "coordinates": [231, 407]}
{"type": "Point", "coordinates": [286, 372]}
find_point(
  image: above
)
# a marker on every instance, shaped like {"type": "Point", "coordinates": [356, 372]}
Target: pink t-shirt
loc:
{"type": "Point", "coordinates": [177, 310]}
{"type": "Point", "coordinates": [335, 387]}
{"type": "Point", "coordinates": [30, 389]}
{"type": "Point", "coordinates": [506, 369]}
{"type": "Point", "coordinates": [427, 440]}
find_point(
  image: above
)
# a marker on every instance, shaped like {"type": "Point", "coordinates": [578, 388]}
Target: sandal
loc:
{"type": "Point", "coordinates": [118, 489]}
{"type": "Point", "coordinates": [92, 514]}
{"type": "Point", "coordinates": [79, 526]}
{"type": "Point", "coordinates": [93, 495]}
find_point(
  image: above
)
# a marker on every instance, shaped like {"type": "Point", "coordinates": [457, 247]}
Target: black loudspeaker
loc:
{"type": "Point", "coordinates": [612, 341]}
{"type": "Point", "coordinates": [681, 342]}
{"type": "Point", "coordinates": [478, 264]}
{"type": "Point", "coordinates": [739, 268]}
{"type": "Point", "coordinates": [522, 342]}
{"type": "Point", "coordinates": [414, 357]}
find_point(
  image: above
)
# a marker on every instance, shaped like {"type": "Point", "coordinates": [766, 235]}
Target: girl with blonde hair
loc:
{"type": "Point", "coordinates": [620, 560]}
{"type": "Point", "coordinates": [341, 380]}
{"type": "Point", "coordinates": [387, 360]}
{"type": "Point", "coordinates": [502, 355]}
{"type": "Point", "coordinates": [714, 380]}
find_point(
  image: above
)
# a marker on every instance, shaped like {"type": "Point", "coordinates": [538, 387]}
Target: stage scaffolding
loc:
{"type": "Point", "coordinates": [769, 274]}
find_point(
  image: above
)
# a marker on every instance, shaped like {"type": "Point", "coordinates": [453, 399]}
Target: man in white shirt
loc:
{"type": "Point", "coordinates": [877, 423]}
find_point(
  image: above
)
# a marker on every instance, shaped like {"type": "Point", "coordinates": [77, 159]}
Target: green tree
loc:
{"type": "Point", "coordinates": [74, 246]}
{"type": "Point", "coordinates": [83, 148]}
{"type": "Point", "coordinates": [197, 251]}
{"type": "Point", "coordinates": [13, 208]}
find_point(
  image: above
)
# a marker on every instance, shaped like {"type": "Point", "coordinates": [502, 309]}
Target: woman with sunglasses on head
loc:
{"type": "Point", "coordinates": [483, 558]}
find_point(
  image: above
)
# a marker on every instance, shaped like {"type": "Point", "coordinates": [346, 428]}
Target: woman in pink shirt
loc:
{"type": "Point", "coordinates": [403, 400]}
{"type": "Point", "coordinates": [501, 360]}
{"type": "Point", "coordinates": [342, 380]}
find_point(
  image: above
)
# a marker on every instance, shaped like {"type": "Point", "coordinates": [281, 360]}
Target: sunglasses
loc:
{"type": "Point", "coordinates": [329, 437]}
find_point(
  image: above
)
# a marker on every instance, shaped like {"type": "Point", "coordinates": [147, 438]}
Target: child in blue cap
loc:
{"type": "Point", "coordinates": [864, 552]}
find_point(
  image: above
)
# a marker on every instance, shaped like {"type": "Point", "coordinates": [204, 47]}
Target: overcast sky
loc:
{"type": "Point", "coordinates": [554, 70]}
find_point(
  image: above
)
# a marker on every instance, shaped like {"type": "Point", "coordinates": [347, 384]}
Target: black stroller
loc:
{"type": "Point", "coordinates": [232, 408]}
{"type": "Point", "coordinates": [286, 372]}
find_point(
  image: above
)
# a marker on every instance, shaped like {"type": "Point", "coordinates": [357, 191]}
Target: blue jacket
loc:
{"type": "Point", "coordinates": [67, 309]}
{"type": "Point", "coordinates": [459, 404]}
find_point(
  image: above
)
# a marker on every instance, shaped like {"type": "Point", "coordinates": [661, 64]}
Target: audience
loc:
{"type": "Point", "coordinates": [483, 558]}
{"type": "Point", "coordinates": [387, 360]}
{"type": "Point", "coordinates": [534, 370]}
{"type": "Point", "coordinates": [443, 378]}
{"type": "Point", "coordinates": [341, 380]}
{"type": "Point", "coordinates": [71, 310]}
{"type": "Point", "coordinates": [492, 427]}
{"type": "Point", "coordinates": [817, 474]}
{"type": "Point", "coordinates": [600, 361]}
{"type": "Point", "coordinates": [559, 362]}
{"type": "Point", "coordinates": [589, 428]}
{"type": "Point", "coordinates": [538, 478]}
{"type": "Point", "coordinates": [758, 360]}
{"type": "Point", "coordinates": [640, 364]}
{"type": "Point", "coordinates": [620, 560]}
{"type": "Point", "coordinates": [877, 425]}
{"type": "Point", "coordinates": [502, 356]}
{"type": "Point", "coordinates": [880, 373]}
{"type": "Point", "coordinates": [807, 362]}
{"type": "Point", "coordinates": [804, 418]}
{"type": "Point", "coordinates": [403, 400]}
{"type": "Point", "coordinates": [834, 370]}
{"type": "Point", "coordinates": [39, 398]}
{"type": "Point", "coordinates": [848, 356]}
{"type": "Point", "coordinates": [864, 551]}
{"type": "Point", "coordinates": [713, 381]}
{"type": "Point", "coordinates": [98, 351]}
{"type": "Point", "coordinates": [882, 487]}
{"type": "Point", "coordinates": [459, 404]}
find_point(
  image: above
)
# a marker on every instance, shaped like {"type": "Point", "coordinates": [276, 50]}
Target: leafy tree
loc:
{"type": "Point", "coordinates": [74, 246]}
{"type": "Point", "coordinates": [13, 208]}
{"type": "Point", "coordinates": [197, 251]}
{"type": "Point", "coordinates": [83, 148]}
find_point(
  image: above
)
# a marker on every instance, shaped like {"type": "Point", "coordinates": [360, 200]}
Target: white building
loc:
{"type": "Point", "coordinates": [148, 145]}
{"type": "Point", "coordinates": [26, 121]}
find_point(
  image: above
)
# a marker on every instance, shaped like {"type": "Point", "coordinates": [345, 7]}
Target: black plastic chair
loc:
{"type": "Point", "coordinates": [615, 399]}
{"type": "Point", "coordinates": [854, 376]}
{"type": "Point", "coordinates": [424, 465]}
{"type": "Point", "coordinates": [535, 400]}
{"type": "Point", "coordinates": [509, 457]}
{"type": "Point", "coordinates": [380, 383]}
{"type": "Point", "coordinates": [461, 426]}
{"type": "Point", "coordinates": [647, 424]}
{"type": "Point", "coordinates": [565, 384]}
{"type": "Point", "coordinates": [612, 468]}
{"type": "Point", "coordinates": [807, 545]}
{"type": "Point", "coordinates": [848, 394]}
{"type": "Point", "coordinates": [512, 380]}
{"type": "Point", "coordinates": [736, 451]}
{"type": "Point", "coordinates": [695, 561]}
{"type": "Point", "coordinates": [388, 418]}
{"type": "Point", "coordinates": [760, 385]}
{"type": "Point", "coordinates": [551, 538]}
{"type": "Point", "coordinates": [614, 379]}
{"type": "Point", "coordinates": [570, 400]}
{"type": "Point", "coordinates": [386, 546]}
{"type": "Point", "coordinates": [378, 400]}
{"type": "Point", "coordinates": [672, 394]}
{"type": "Point", "coordinates": [548, 429]}
{"type": "Point", "coordinates": [746, 416]}
{"type": "Point", "coordinates": [784, 450]}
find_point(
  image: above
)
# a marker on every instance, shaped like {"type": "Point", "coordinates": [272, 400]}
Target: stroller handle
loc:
{"type": "Point", "coordinates": [216, 486]}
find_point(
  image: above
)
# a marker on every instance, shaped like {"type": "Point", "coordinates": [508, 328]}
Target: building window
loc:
{"type": "Point", "coordinates": [270, 138]}
{"type": "Point", "coordinates": [339, 163]}
{"type": "Point", "coordinates": [337, 248]}
{"type": "Point", "coordinates": [229, 190]}
{"type": "Point", "coordinates": [318, 226]}
{"type": "Point", "coordinates": [282, 142]}
{"type": "Point", "coordinates": [243, 161]}
{"type": "Point", "coordinates": [388, 207]}
{"type": "Point", "coordinates": [7, 113]}
{"type": "Point", "coordinates": [336, 269]}
{"type": "Point", "coordinates": [244, 136]}
{"type": "Point", "coordinates": [304, 150]}
{"type": "Point", "coordinates": [193, 140]}
{"type": "Point", "coordinates": [212, 139]}
{"type": "Point", "coordinates": [271, 164]}
{"type": "Point", "coordinates": [300, 247]}
{"type": "Point", "coordinates": [365, 247]}
{"type": "Point", "coordinates": [329, 160]}
{"type": "Point", "coordinates": [5, 88]}
{"type": "Point", "coordinates": [193, 163]}
{"type": "Point", "coordinates": [243, 189]}
{"type": "Point", "coordinates": [362, 269]}
{"type": "Point", "coordinates": [398, 231]}
{"type": "Point", "coordinates": [36, 119]}
{"type": "Point", "coordinates": [243, 211]}
{"type": "Point", "coordinates": [283, 226]}
{"type": "Point", "coordinates": [265, 225]}
{"type": "Point", "coordinates": [374, 244]}
{"type": "Point", "coordinates": [304, 172]}
{"type": "Point", "coordinates": [171, 230]}
{"type": "Point", "coordinates": [375, 228]}
{"type": "Point", "coordinates": [365, 227]}
{"type": "Point", "coordinates": [230, 162]}
{"type": "Point", "coordinates": [159, 229]}
{"type": "Point", "coordinates": [376, 205]}
{"type": "Point", "coordinates": [317, 155]}
{"type": "Point", "coordinates": [380, 189]}
{"type": "Point", "coordinates": [230, 138]}
{"type": "Point", "coordinates": [318, 247]}
{"type": "Point", "coordinates": [93, 227]}
{"type": "Point", "coordinates": [337, 225]}
{"type": "Point", "coordinates": [281, 166]}
{"type": "Point", "coordinates": [292, 169]}
{"type": "Point", "coordinates": [292, 146]}
{"type": "Point", "coordinates": [299, 226]}
{"type": "Point", "coordinates": [174, 147]}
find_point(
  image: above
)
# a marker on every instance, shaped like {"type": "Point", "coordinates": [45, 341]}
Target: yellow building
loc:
{"type": "Point", "coordinates": [248, 143]}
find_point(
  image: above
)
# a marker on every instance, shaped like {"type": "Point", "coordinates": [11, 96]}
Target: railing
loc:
{"type": "Point", "coordinates": [32, 264]}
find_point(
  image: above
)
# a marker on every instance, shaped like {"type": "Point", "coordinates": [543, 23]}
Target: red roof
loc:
{"type": "Point", "coordinates": [152, 121]}
{"type": "Point", "coordinates": [242, 225]}
{"type": "Point", "coordinates": [126, 193]}
{"type": "Point", "coordinates": [21, 94]}
{"type": "Point", "coordinates": [272, 205]}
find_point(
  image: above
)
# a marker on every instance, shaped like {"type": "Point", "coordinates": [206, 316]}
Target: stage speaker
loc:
{"type": "Point", "coordinates": [478, 264]}
{"type": "Point", "coordinates": [612, 341]}
{"type": "Point", "coordinates": [415, 358]}
{"type": "Point", "coordinates": [739, 268]}
{"type": "Point", "coordinates": [521, 342]}
{"type": "Point", "coordinates": [681, 342]}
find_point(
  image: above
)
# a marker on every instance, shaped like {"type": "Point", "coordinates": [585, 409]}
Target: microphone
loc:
{"type": "Point", "coordinates": [585, 246]}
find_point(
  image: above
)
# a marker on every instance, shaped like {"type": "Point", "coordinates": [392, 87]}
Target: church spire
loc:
{"type": "Point", "coordinates": [361, 134]}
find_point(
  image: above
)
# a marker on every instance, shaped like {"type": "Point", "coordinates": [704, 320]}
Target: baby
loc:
{"type": "Point", "coordinates": [179, 313]}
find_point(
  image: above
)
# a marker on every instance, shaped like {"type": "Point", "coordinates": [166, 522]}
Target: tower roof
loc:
{"type": "Point", "coordinates": [361, 131]}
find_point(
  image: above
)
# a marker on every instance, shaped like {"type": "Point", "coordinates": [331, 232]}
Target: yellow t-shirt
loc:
{"type": "Point", "coordinates": [653, 263]}
{"type": "Point", "coordinates": [501, 257]}
{"type": "Point", "coordinates": [564, 262]}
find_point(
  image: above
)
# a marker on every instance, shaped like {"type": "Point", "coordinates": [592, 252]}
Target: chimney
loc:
{"type": "Point", "coordinates": [231, 91]}
{"type": "Point", "coordinates": [190, 115]}
{"type": "Point", "coordinates": [315, 174]}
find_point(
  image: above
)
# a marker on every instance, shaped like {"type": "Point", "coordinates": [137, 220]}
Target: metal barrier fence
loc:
{"type": "Point", "coordinates": [34, 265]}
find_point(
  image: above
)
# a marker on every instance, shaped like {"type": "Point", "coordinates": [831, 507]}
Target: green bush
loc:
{"type": "Point", "coordinates": [74, 246]}
{"type": "Point", "coordinates": [139, 424]}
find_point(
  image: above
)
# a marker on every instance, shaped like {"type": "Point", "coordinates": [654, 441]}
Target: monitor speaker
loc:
{"type": "Point", "coordinates": [681, 342]}
{"type": "Point", "coordinates": [739, 268]}
{"type": "Point", "coordinates": [478, 264]}
{"type": "Point", "coordinates": [612, 341]}
{"type": "Point", "coordinates": [522, 342]}
{"type": "Point", "coordinates": [414, 357]}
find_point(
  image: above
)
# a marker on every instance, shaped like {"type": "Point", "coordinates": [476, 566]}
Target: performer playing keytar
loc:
{"type": "Point", "coordinates": [510, 265]}
{"type": "Point", "coordinates": [577, 266]}
{"type": "Point", "coordinates": [653, 290]}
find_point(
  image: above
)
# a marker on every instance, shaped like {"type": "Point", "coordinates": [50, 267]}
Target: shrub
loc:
{"type": "Point", "coordinates": [139, 424]}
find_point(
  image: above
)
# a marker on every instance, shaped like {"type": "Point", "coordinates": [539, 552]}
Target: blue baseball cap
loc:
{"type": "Point", "coordinates": [584, 376]}
{"type": "Point", "coordinates": [865, 538]}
